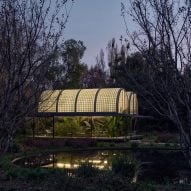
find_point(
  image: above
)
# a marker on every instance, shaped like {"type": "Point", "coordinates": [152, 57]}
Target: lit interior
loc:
{"type": "Point", "coordinates": [66, 101]}
{"type": "Point", "coordinates": [85, 102]}
{"type": "Point", "coordinates": [104, 100]}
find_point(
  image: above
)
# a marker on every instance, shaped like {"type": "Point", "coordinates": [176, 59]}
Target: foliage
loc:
{"type": "Point", "coordinates": [135, 144]}
{"type": "Point", "coordinates": [124, 166]}
{"type": "Point", "coordinates": [38, 174]}
{"type": "Point", "coordinates": [15, 148]}
{"type": "Point", "coordinates": [87, 178]}
{"type": "Point", "coordinates": [161, 38]}
{"type": "Point", "coordinates": [97, 76]}
{"type": "Point", "coordinates": [167, 138]}
{"type": "Point", "coordinates": [58, 179]}
{"type": "Point", "coordinates": [67, 70]}
{"type": "Point", "coordinates": [29, 34]}
{"type": "Point", "coordinates": [69, 126]}
{"type": "Point", "coordinates": [116, 126]}
{"type": "Point", "coordinates": [86, 170]}
{"type": "Point", "coordinates": [145, 187]}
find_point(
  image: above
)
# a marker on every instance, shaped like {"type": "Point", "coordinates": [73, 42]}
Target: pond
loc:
{"type": "Point", "coordinates": [154, 166]}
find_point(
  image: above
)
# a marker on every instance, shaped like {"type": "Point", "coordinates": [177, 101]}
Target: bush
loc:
{"type": "Point", "coordinates": [144, 187]}
{"type": "Point", "coordinates": [111, 181]}
{"type": "Point", "coordinates": [167, 145]}
{"type": "Point", "coordinates": [167, 138]}
{"type": "Point", "coordinates": [112, 144]}
{"type": "Point", "coordinates": [125, 167]}
{"type": "Point", "coordinates": [38, 174]}
{"type": "Point", "coordinates": [134, 145]}
{"type": "Point", "coordinates": [86, 170]}
{"type": "Point", "coordinates": [15, 148]}
{"type": "Point", "coordinates": [176, 146]}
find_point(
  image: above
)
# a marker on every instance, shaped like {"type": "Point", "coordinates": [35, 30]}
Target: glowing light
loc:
{"type": "Point", "coordinates": [100, 166]}
{"type": "Point", "coordinates": [95, 161]}
{"type": "Point", "coordinates": [67, 165]}
{"type": "Point", "coordinates": [89, 100]}
{"type": "Point", "coordinates": [60, 165]}
{"type": "Point", "coordinates": [76, 165]}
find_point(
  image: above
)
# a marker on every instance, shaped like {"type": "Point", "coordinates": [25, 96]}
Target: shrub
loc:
{"type": "Point", "coordinates": [112, 144]}
{"type": "Point", "coordinates": [176, 146]}
{"type": "Point", "coordinates": [144, 187]}
{"type": "Point", "coordinates": [167, 145]}
{"type": "Point", "coordinates": [111, 181]}
{"type": "Point", "coordinates": [86, 170]}
{"type": "Point", "coordinates": [15, 148]}
{"type": "Point", "coordinates": [167, 138]}
{"type": "Point", "coordinates": [125, 167]}
{"type": "Point", "coordinates": [134, 145]}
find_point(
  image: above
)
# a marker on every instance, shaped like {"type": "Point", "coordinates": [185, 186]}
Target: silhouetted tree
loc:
{"type": "Point", "coordinates": [67, 71]}
{"type": "Point", "coordinates": [163, 38]}
{"type": "Point", "coordinates": [29, 34]}
{"type": "Point", "coordinates": [97, 76]}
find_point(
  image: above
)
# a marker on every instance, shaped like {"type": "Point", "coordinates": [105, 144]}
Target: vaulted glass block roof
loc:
{"type": "Point", "coordinates": [103, 101]}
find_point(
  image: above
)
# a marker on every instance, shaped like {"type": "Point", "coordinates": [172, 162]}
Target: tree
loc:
{"type": "Point", "coordinates": [120, 58]}
{"type": "Point", "coordinates": [163, 38]}
{"type": "Point", "coordinates": [29, 34]}
{"type": "Point", "coordinates": [97, 76]}
{"type": "Point", "coordinates": [122, 64]}
{"type": "Point", "coordinates": [66, 71]}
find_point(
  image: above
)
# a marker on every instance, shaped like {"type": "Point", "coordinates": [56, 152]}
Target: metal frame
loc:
{"type": "Point", "coordinates": [132, 118]}
{"type": "Point", "coordinates": [65, 114]}
{"type": "Point", "coordinates": [117, 100]}
{"type": "Point", "coordinates": [76, 100]}
{"type": "Point", "coordinates": [57, 99]}
{"type": "Point", "coordinates": [95, 99]}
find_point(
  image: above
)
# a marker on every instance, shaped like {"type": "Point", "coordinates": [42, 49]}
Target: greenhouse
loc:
{"type": "Point", "coordinates": [88, 102]}
{"type": "Point", "coordinates": [91, 106]}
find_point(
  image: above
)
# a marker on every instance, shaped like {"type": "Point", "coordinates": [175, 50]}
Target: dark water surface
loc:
{"type": "Point", "coordinates": [154, 166]}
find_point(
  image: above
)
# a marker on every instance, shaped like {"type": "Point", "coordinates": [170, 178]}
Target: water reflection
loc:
{"type": "Point", "coordinates": [156, 166]}
{"type": "Point", "coordinates": [68, 160]}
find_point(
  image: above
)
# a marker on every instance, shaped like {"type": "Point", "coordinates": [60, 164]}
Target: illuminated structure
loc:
{"type": "Point", "coordinates": [89, 102]}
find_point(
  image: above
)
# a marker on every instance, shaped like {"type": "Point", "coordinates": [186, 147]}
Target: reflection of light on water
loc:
{"type": "Point", "coordinates": [104, 154]}
{"type": "Point", "coordinates": [94, 161]}
{"type": "Point", "coordinates": [101, 160]}
{"type": "Point", "coordinates": [48, 166]}
{"type": "Point", "coordinates": [67, 165]}
{"type": "Point", "coordinates": [76, 165]}
{"type": "Point", "coordinates": [100, 166]}
{"type": "Point", "coordinates": [60, 165]}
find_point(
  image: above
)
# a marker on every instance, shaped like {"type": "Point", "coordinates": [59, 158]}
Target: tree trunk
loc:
{"type": "Point", "coordinates": [186, 146]}
{"type": "Point", "coordinates": [5, 142]}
